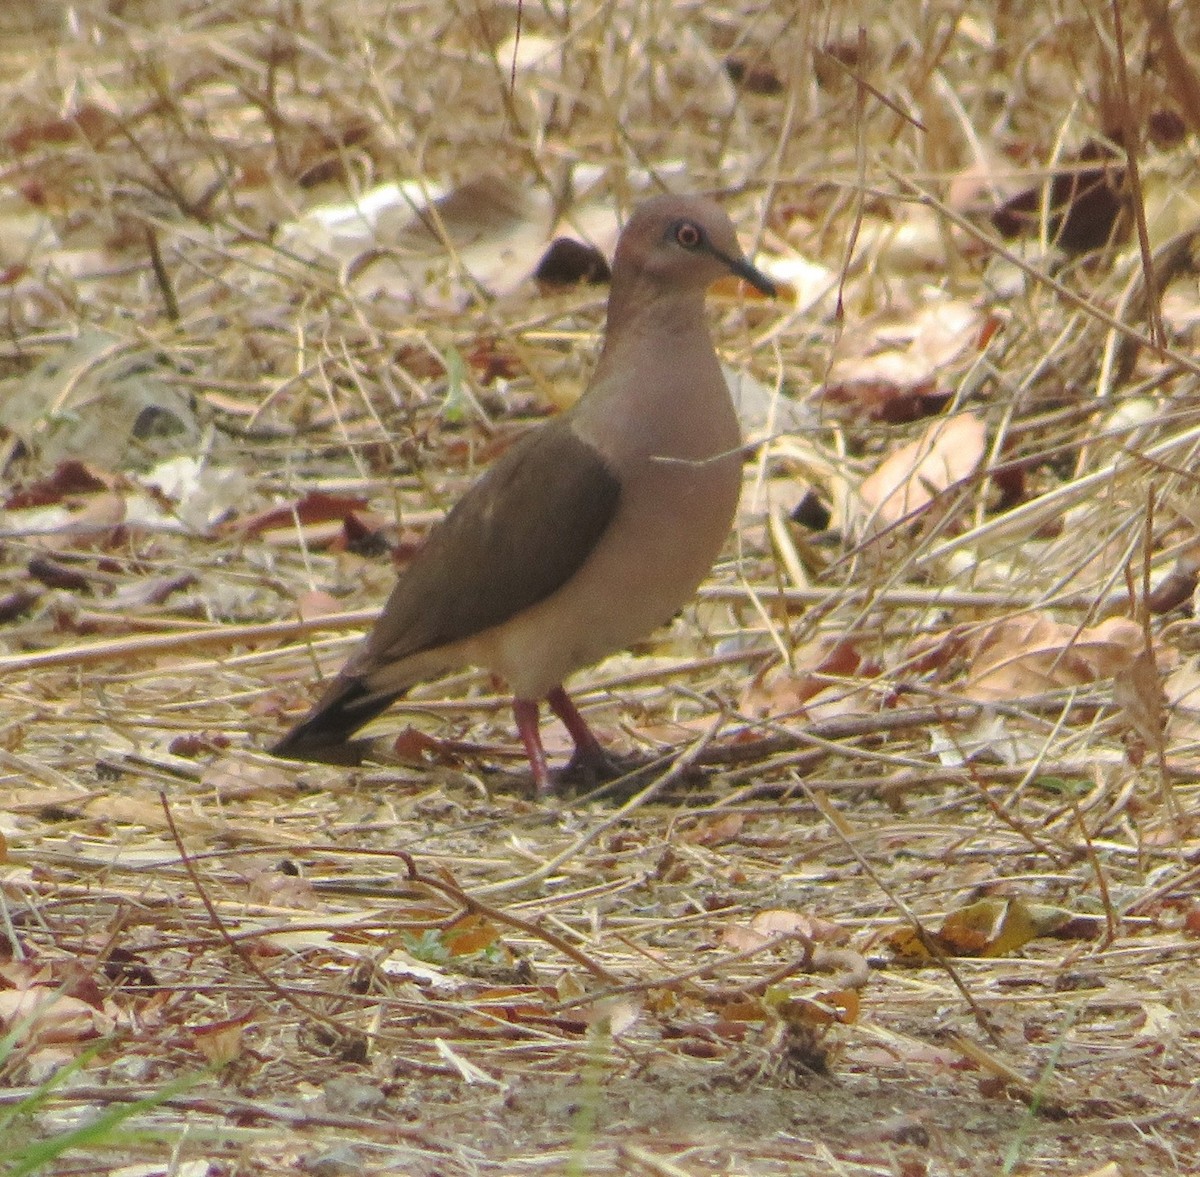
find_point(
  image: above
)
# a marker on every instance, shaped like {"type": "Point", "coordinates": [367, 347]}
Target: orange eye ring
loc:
{"type": "Point", "coordinates": [688, 235]}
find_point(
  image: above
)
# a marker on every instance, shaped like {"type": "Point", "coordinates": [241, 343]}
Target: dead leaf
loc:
{"type": "Point", "coordinates": [72, 477]}
{"type": "Point", "coordinates": [17, 603]}
{"type": "Point", "coordinates": [128, 969]}
{"type": "Point", "coordinates": [1029, 655]}
{"type": "Point", "coordinates": [620, 1014]}
{"type": "Point", "coordinates": [716, 831]}
{"type": "Point", "coordinates": [568, 263]}
{"type": "Point", "coordinates": [44, 1014]}
{"type": "Point", "coordinates": [278, 888]}
{"type": "Point", "coordinates": [991, 927]}
{"type": "Point", "coordinates": [783, 690]}
{"type": "Point", "coordinates": [221, 1042]}
{"type": "Point", "coordinates": [316, 507]}
{"type": "Point", "coordinates": [1085, 203]}
{"type": "Point", "coordinates": [740, 938]}
{"type": "Point", "coordinates": [89, 122]}
{"type": "Point", "coordinates": [901, 1128]}
{"type": "Point", "coordinates": [151, 591]}
{"type": "Point", "coordinates": [56, 575]}
{"type": "Point", "coordinates": [905, 483]}
{"type": "Point", "coordinates": [896, 355]}
{"type": "Point", "coordinates": [232, 778]}
{"type": "Point", "coordinates": [96, 525]}
{"type": "Point", "coordinates": [200, 743]}
{"type": "Point", "coordinates": [316, 603]}
{"type": "Point", "coordinates": [781, 922]}
{"type": "Point", "coordinates": [1182, 694]}
{"type": "Point", "coordinates": [470, 934]}
{"type": "Point", "coordinates": [820, 1009]}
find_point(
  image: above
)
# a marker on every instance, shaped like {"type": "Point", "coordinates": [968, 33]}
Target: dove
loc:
{"type": "Point", "coordinates": [591, 531]}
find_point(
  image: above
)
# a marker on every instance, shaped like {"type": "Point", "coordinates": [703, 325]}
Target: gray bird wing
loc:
{"type": "Point", "coordinates": [518, 534]}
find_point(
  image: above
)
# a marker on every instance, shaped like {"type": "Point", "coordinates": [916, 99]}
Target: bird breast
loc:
{"type": "Point", "coordinates": [679, 494]}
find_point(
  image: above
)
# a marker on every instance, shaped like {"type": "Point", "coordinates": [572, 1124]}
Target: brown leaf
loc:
{"type": "Point", "coordinates": [1032, 654]}
{"type": "Point", "coordinates": [233, 778]}
{"type": "Point", "coordinates": [19, 601]}
{"type": "Point", "coordinates": [1182, 692]}
{"type": "Point", "coordinates": [1085, 203]}
{"type": "Point", "coordinates": [755, 76]}
{"type": "Point", "coordinates": [906, 482]}
{"type": "Point", "coordinates": [278, 888]}
{"type": "Point", "coordinates": [96, 525]}
{"type": "Point", "coordinates": [71, 477]}
{"type": "Point", "coordinates": [902, 1128]}
{"type": "Point", "coordinates": [740, 938]}
{"type": "Point", "coordinates": [716, 831]}
{"type": "Point", "coordinates": [316, 507]}
{"type": "Point", "coordinates": [781, 922]}
{"type": "Point", "coordinates": [783, 690]}
{"type": "Point", "coordinates": [901, 356]}
{"type": "Point", "coordinates": [472, 933]}
{"type": "Point", "coordinates": [149, 591]}
{"type": "Point", "coordinates": [568, 262]}
{"type": "Point", "coordinates": [316, 603]}
{"type": "Point", "coordinates": [123, 967]}
{"type": "Point", "coordinates": [198, 744]}
{"type": "Point", "coordinates": [44, 1014]}
{"type": "Point", "coordinates": [991, 927]}
{"type": "Point", "coordinates": [417, 747]}
{"type": "Point", "coordinates": [55, 575]}
{"type": "Point", "coordinates": [220, 1042]}
{"type": "Point", "coordinates": [1180, 583]}
{"type": "Point", "coordinates": [88, 122]}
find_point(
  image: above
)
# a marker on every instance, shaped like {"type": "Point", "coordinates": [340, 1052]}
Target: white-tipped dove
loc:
{"type": "Point", "coordinates": [592, 530]}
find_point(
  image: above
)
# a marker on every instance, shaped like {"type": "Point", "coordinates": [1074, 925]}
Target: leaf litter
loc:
{"type": "Point", "coordinates": [914, 845]}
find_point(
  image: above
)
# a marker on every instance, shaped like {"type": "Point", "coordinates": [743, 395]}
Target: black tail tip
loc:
{"type": "Point", "coordinates": [311, 750]}
{"type": "Point", "coordinates": [323, 735]}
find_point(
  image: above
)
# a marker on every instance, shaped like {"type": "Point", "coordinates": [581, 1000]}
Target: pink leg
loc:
{"type": "Point", "coordinates": [588, 749]}
{"type": "Point", "coordinates": [525, 712]}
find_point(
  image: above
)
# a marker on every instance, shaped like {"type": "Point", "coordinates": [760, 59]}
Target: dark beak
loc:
{"type": "Point", "coordinates": [744, 270]}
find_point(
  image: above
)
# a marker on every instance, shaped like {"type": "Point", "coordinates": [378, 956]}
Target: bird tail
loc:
{"type": "Point", "coordinates": [323, 735]}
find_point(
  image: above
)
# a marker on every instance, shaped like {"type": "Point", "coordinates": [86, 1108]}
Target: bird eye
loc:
{"type": "Point", "coordinates": [688, 235]}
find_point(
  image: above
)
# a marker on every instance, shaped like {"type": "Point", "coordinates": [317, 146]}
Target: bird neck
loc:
{"type": "Point", "coordinates": [658, 386]}
{"type": "Point", "coordinates": [638, 309]}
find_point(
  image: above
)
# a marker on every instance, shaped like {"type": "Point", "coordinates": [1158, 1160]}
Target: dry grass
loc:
{"type": "Point", "coordinates": [585, 1004]}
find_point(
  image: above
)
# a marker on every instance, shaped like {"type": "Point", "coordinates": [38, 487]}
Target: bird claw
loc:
{"type": "Point", "coordinates": [587, 770]}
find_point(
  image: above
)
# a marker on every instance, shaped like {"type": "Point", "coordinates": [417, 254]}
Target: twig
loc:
{"type": "Point", "coordinates": [122, 649]}
{"type": "Point", "coordinates": [530, 928]}
{"type": "Point", "coordinates": [232, 944]}
{"type": "Point", "coordinates": [1131, 141]}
